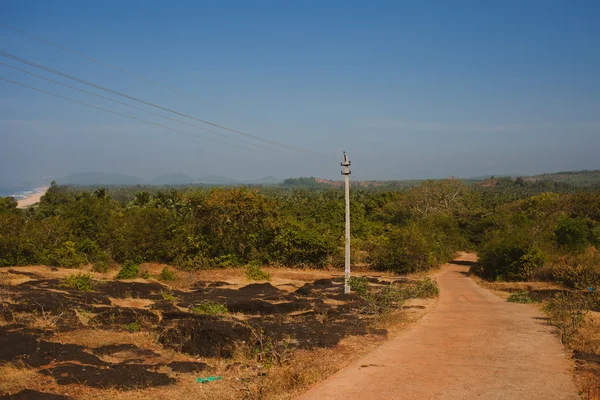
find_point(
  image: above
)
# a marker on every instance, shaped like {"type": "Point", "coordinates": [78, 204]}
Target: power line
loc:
{"type": "Point", "coordinates": [122, 115]}
{"type": "Point", "coordinates": [138, 108]}
{"type": "Point", "coordinates": [79, 54]}
{"type": "Point", "coordinates": [48, 69]}
{"type": "Point", "coordinates": [137, 76]}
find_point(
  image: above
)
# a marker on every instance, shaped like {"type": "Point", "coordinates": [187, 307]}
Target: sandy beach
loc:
{"type": "Point", "coordinates": [33, 198]}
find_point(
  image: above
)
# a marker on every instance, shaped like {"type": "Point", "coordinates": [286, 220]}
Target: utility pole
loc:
{"type": "Point", "coordinates": [346, 173]}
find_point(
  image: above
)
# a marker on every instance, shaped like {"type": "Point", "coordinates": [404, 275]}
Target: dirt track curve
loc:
{"type": "Point", "coordinates": [473, 345]}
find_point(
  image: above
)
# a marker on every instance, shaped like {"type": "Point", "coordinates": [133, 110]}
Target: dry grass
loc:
{"type": "Point", "coordinates": [131, 302]}
{"type": "Point", "coordinates": [243, 378]}
{"type": "Point", "coordinates": [15, 377]}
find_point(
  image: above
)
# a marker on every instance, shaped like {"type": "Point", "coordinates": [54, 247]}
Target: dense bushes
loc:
{"type": "Point", "coordinates": [546, 236]}
{"type": "Point", "coordinates": [222, 227]}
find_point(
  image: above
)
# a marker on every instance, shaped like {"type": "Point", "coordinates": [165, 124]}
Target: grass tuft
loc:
{"type": "Point", "coordinates": [80, 281]}
{"type": "Point", "coordinates": [210, 308]}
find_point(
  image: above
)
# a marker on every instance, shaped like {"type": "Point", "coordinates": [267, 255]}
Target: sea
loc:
{"type": "Point", "coordinates": [16, 194]}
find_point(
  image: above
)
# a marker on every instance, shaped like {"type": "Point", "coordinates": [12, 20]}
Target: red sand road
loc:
{"type": "Point", "coordinates": [473, 345]}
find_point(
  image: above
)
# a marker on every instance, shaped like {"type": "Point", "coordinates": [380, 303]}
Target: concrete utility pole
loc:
{"type": "Point", "coordinates": [346, 173]}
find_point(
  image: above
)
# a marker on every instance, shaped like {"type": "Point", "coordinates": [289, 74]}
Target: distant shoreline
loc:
{"type": "Point", "coordinates": [32, 198]}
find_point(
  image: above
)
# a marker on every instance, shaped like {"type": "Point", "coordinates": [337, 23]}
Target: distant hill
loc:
{"type": "Point", "coordinates": [99, 178]}
{"type": "Point", "coordinates": [267, 180]}
{"type": "Point", "coordinates": [576, 178]}
{"type": "Point", "coordinates": [172, 179]}
{"type": "Point", "coordinates": [216, 180]}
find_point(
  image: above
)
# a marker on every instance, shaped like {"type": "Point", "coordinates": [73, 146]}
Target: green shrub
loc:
{"type": "Point", "coordinates": [424, 288]}
{"type": "Point", "coordinates": [568, 312]}
{"type": "Point", "coordinates": [210, 308]}
{"type": "Point", "coordinates": [132, 327]}
{"type": "Point", "coordinates": [101, 262]}
{"type": "Point", "coordinates": [522, 296]}
{"type": "Point", "coordinates": [167, 275]}
{"type": "Point", "coordinates": [129, 270]}
{"type": "Point", "coordinates": [297, 245]}
{"type": "Point", "coordinates": [67, 256]}
{"type": "Point", "coordinates": [377, 301]}
{"type": "Point", "coordinates": [579, 272]}
{"type": "Point", "coordinates": [403, 250]}
{"type": "Point", "coordinates": [359, 285]}
{"type": "Point", "coordinates": [193, 263]}
{"type": "Point", "coordinates": [572, 234]}
{"type": "Point", "coordinates": [79, 281]}
{"type": "Point", "coordinates": [510, 256]}
{"type": "Point", "coordinates": [167, 296]}
{"type": "Point", "coordinates": [255, 273]}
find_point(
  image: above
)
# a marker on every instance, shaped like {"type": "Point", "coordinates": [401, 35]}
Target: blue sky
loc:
{"type": "Point", "coordinates": [410, 89]}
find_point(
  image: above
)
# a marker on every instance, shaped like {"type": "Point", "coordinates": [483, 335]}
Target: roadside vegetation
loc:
{"type": "Point", "coordinates": [525, 232]}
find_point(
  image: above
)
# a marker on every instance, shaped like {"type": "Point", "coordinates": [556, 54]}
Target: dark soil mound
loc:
{"type": "Point", "coordinates": [118, 348]}
{"type": "Point", "coordinates": [264, 307]}
{"type": "Point", "coordinates": [207, 336]}
{"type": "Point", "coordinates": [218, 284]}
{"type": "Point", "coordinates": [260, 289]}
{"type": "Point", "coordinates": [164, 306]}
{"type": "Point", "coordinates": [138, 290]}
{"type": "Point", "coordinates": [323, 282]}
{"type": "Point", "coordinates": [28, 274]}
{"type": "Point", "coordinates": [187, 366]}
{"type": "Point", "coordinates": [118, 376]}
{"type": "Point", "coordinates": [29, 394]}
{"type": "Point", "coordinates": [5, 313]}
{"type": "Point", "coordinates": [28, 348]}
{"type": "Point", "coordinates": [117, 317]}
{"type": "Point", "coordinates": [589, 357]}
{"type": "Point", "coordinates": [47, 301]}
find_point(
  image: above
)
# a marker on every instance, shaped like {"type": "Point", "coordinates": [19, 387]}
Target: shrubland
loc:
{"type": "Point", "coordinates": [541, 230]}
{"type": "Point", "coordinates": [203, 228]}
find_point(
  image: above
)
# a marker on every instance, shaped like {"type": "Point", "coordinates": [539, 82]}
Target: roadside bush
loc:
{"type": "Point", "coordinates": [424, 288]}
{"type": "Point", "coordinates": [298, 246]}
{"type": "Point", "coordinates": [129, 270]}
{"type": "Point", "coordinates": [579, 272]}
{"type": "Point", "coordinates": [568, 312]}
{"type": "Point", "coordinates": [167, 275]}
{"type": "Point", "coordinates": [210, 308]}
{"type": "Point", "coordinates": [255, 273]}
{"type": "Point", "coordinates": [572, 234]}
{"type": "Point", "coordinates": [378, 301]}
{"type": "Point", "coordinates": [403, 250]}
{"type": "Point", "coordinates": [510, 256]}
{"type": "Point", "coordinates": [522, 296]}
{"type": "Point", "coordinates": [80, 281]}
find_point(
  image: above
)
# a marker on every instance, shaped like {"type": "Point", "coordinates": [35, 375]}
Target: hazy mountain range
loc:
{"type": "Point", "coordinates": [577, 178]}
{"type": "Point", "coordinates": [101, 178]}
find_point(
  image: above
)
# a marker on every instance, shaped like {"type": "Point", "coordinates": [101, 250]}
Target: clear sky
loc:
{"type": "Point", "coordinates": [410, 89]}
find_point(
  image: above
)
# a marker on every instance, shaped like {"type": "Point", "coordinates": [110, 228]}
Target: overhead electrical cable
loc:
{"type": "Point", "coordinates": [137, 76]}
{"type": "Point", "coordinates": [124, 71]}
{"type": "Point", "coordinates": [85, 82]}
{"type": "Point", "coordinates": [122, 115]}
{"type": "Point", "coordinates": [140, 109]}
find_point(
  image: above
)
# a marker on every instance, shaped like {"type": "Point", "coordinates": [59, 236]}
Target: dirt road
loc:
{"type": "Point", "coordinates": [473, 345]}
